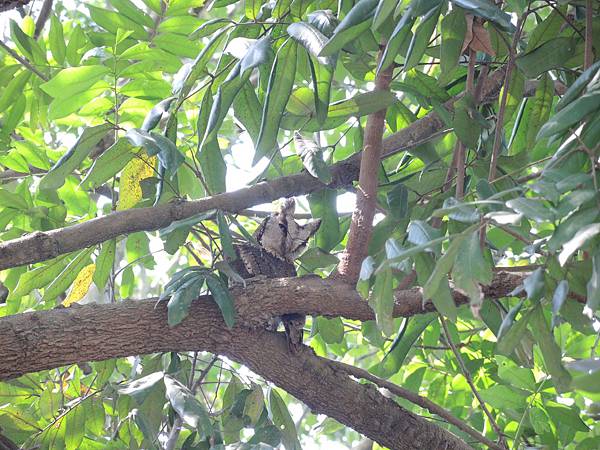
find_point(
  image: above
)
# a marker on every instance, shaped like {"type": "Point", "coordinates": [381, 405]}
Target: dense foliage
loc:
{"type": "Point", "coordinates": [126, 104]}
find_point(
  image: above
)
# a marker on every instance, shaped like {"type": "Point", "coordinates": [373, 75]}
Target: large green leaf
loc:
{"type": "Point", "coordinates": [352, 25]}
{"type": "Point", "coordinates": [191, 411]}
{"type": "Point", "coordinates": [281, 81]}
{"type": "Point", "coordinates": [73, 158]}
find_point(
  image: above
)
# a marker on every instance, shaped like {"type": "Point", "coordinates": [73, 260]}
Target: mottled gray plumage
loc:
{"type": "Point", "coordinates": [281, 240]}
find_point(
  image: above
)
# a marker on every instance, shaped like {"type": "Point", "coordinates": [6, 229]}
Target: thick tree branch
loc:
{"type": "Point", "coordinates": [40, 340]}
{"type": "Point", "coordinates": [361, 226]}
{"type": "Point", "coordinates": [28, 348]}
{"type": "Point", "coordinates": [38, 246]}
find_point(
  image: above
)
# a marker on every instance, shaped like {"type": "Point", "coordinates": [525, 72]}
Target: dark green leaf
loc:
{"type": "Point", "coordinates": [222, 298]}
{"type": "Point", "coordinates": [487, 10]}
{"type": "Point", "coordinates": [187, 406]}
{"type": "Point", "coordinates": [281, 82]}
{"type": "Point", "coordinates": [72, 159]}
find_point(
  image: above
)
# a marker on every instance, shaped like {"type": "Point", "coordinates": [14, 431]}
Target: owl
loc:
{"type": "Point", "coordinates": [281, 240]}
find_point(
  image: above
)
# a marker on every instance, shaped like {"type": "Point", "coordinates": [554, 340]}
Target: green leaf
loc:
{"type": "Point", "coordinates": [471, 268]}
{"type": "Point", "coordinates": [212, 164]}
{"type": "Point", "coordinates": [576, 89]}
{"type": "Point", "coordinates": [227, 91]}
{"type": "Point", "coordinates": [542, 104]}
{"type": "Point", "coordinates": [27, 45]}
{"type": "Point", "coordinates": [74, 80]}
{"type": "Point", "coordinates": [548, 56]}
{"type": "Point", "coordinates": [67, 275]}
{"type": "Point", "coordinates": [593, 285]}
{"type": "Point", "coordinates": [381, 301]}
{"type": "Point", "coordinates": [579, 240]}
{"type": "Point", "coordinates": [508, 321]}
{"type": "Point", "coordinates": [280, 416]}
{"type": "Point", "coordinates": [548, 29]}
{"type": "Point", "coordinates": [398, 39]}
{"type": "Point", "coordinates": [352, 25]}
{"type": "Point", "coordinates": [453, 30]}
{"type": "Point", "coordinates": [104, 263]}
{"type": "Point", "coordinates": [112, 21]}
{"type": "Point", "coordinates": [222, 298]}
{"type": "Point", "coordinates": [403, 343]}
{"type": "Point", "coordinates": [487, 10]}
{"type": "Point", "coordinates": [323, 205]}
{"type": "Point", "coordinates": [421, 233]}
{"type": "Point", "coordinates": [259, 53]}
{"type": "Point", "coordinates": [254, 404]}
{"type": "Point", "coordinates": [56, 40]}
{"type": "Point", "coordinates": [532, 208]}
{"type": "Point", "coordinates": [39, 276]}
{"type": "Point", "coordinates": [571, 115]}
{"type": "Point", "coordinates": [312, 40]}
{"type": "Point", "coordinates": [131, 11]}
{"type": "Point", "coordinates": [225, 235]}
{"type": "Point", "coordinates": [281, 82]}
{"type": "Point", "coordinates": [155, 144]}
{"type": "Point", "coordinates": [76, 427]}
{"type": "Point", "coordinates": [11, 200]}
{"type": "Point", "coordinates": [331, 330]}
{"type": "Point", "coordinates": [339, 112]}
{"type": "Point", "coordinates": [245, 105]}
{"type": "Point", "coordinates": [550, 350]}
{"type": "Point", "coordinates": [397, 201]}
{"type": "Point", "coordinates": [567, 229]}
{"type": "Point", "coordinates": [73, 158]}
{"type": "Point", "coordinates": [513, 334]}
{"type": "Point", "coordinates": [467, 129]}
{"type": "Point", "coordinates": [13, 89]}
{"type": "Point", "coordinates": [566, 416]}
{"type": "Point", "coordinates": [420, 39]}
{"type": "Point", "coordinates": [504, 397]}
{"type": "Point", "coordinates": [186, 291]}
{"type": "Point", "coordinates": [558, 299]}
{"type": "Point", "coordinates": [109, 163]}
{"type": "Point", "coordinates": [534, 285]}
{"type": "Point", "coordinates": [191, 411]}
{"type": "Point", "coordinates": [312, 157]}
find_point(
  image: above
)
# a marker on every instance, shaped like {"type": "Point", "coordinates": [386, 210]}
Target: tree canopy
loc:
{"type": "Point", "coordinates": [450, 149]}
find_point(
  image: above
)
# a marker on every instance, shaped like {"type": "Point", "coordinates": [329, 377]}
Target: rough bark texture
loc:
{"type": "Point", "coordinates": [36, 247]}
{"type": "Point", "coordinates": [361, 226]}
{"type": "Point", "coordinates": [42, 340]}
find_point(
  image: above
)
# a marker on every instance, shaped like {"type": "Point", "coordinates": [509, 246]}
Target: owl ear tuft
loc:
{"type": "Point", "coordinates": [288, 206]}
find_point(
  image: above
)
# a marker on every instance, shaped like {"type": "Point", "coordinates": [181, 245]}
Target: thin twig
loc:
{"type": "Point", "coordinates": [469, 379]}
{"type": "Point", "coordinates": [23, 61]}
{"type": "Point", "coordinates": [42, 18]}
{"type": "Point", "coordinates": [502, 111]}
{"type": "Point", "coordinates": [423, 402]}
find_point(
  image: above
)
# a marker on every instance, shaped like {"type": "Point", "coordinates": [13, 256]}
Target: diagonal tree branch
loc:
{"type": "Point", "coordinates": [38, 340]}
{"type": "Point", "coordinates": [41, 246]}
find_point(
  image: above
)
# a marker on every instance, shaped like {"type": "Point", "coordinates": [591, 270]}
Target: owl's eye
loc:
{"type": "Point", "coordinates": [283, 227]}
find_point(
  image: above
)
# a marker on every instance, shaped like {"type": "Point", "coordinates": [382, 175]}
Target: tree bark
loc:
{"type": "Point", "coordinates": [41, 246]}
{"type": "Point", "coordinates": [361, 226]}
{"type": "Point", "coordinates": [39, 340]}
{"type": "Point", "coordinates": [42, 340]}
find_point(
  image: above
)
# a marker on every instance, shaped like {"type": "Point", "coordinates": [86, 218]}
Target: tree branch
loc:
{"type": "Point", "coordinates": [40, 340]}
{"type": "Point", "coordinates": [41, 246]}
{"type": "Point", "coordinates": [27, 346]}
{"type": "Point", "coordinates": [361, 226]}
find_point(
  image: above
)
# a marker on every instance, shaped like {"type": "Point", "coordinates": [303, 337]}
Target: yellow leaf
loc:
{"type": "Point", "coordinates": [136, 170]}
{"type": "Point", "coordinates": [81, 285]}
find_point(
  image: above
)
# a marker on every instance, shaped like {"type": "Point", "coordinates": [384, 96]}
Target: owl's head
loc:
{"type": "Point", "coordinates": [281, 235]}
